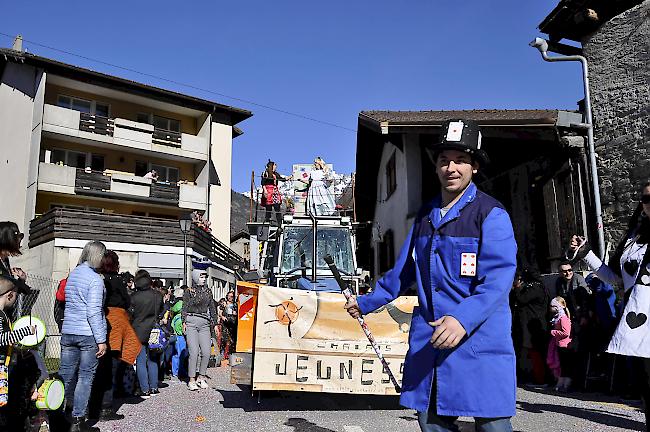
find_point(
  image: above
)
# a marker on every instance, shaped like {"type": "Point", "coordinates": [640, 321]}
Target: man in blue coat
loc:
{"type": "Point", "coordinates": [461, 252]}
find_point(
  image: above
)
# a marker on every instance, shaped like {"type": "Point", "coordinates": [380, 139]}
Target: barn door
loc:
{"type": "Point", "coordinates": [564, 204]}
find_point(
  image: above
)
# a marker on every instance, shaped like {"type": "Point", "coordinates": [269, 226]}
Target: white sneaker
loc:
{"type": "Point", "coordinates": [192, 385]}
{"type": "Point", "coordinates": [202, 383]}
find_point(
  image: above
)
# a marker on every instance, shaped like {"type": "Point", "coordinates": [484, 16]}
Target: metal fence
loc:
{"type": "Point", "coordinates": [40, 303]}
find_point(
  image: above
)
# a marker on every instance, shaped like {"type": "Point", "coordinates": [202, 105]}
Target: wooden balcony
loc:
{"type": "Point", "coordinates": [96, 124]}
{"type": "Point", "coordinates": [65, 123]}
{"type": "Point", "coordinates": [134, 188]}
{"type": "Point", "coordinates": [86, 225]}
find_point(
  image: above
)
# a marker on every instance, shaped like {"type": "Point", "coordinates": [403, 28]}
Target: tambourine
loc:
{"type": "Point", "coordinates": [50, 395]}
{"type": "Point", "coordinates": [28, 321]}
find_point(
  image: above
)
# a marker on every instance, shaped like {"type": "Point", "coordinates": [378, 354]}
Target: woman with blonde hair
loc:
{"type": "Point", "coordinates": [559, 354]}
{"type": "Point", "coordinates": [320, 200]}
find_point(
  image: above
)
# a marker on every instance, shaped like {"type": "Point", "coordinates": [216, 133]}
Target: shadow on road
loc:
{"type": "Point", "coordinates": [279, 401]}
{"type": "Point", "coordinates": [594, 415]}
{"type": "Point", "coordinates": [301, 425]}
{"type": "Point", "coordinates": [583, 396]}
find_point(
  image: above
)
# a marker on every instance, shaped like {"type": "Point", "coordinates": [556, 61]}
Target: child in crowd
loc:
{"type": "Point", "coordinates": [17, 387]}
{"type": "Point", "coordinates": [179, 358]}
{"type": "Point", "coordinates": [559, 354]}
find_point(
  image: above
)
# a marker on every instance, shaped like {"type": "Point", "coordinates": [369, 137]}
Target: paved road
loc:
{"type": "Point", "coordinates": [225, 407]}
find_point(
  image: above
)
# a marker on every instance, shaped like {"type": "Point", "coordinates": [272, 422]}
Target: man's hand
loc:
{"type": "Point", "coordinates": [449, 332]}
{"type": "Point", "coordinates": [19, 273]}
{"type": "Point", "coordinates": [574, 243]}
{"type": "Point", "coordinates": [101, 350]}
{"type": "Point", "coordinates": [353, 308]}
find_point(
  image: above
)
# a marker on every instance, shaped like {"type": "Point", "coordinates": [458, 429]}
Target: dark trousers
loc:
{"type": "Point", "coordinates": [431, 421]}
{"type": "Point", "coordinates": [278, 213]}
{"type": "Point", "coordinates": [644, 387]}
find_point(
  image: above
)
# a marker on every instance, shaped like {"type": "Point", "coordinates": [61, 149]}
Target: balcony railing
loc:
{"type": "Point", "coordinates": [119, 131]}
{"type": "Point", "coordinates": [80, 181]}
{"type": "Point", "coordinates": [96, 124]}
{"type": "Point", "coordinates": [164, 191]}
{"type": "Point", "coordinates": [86, 180]}
{"type": "Point", "coordinates": [165, 137]}
{"type": "Point", "coordinates": [97, 183]}
{"type": "Point", "coordinates": [86, 225]}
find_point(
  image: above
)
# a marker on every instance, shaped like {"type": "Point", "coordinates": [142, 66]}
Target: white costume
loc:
{"type": "Point", "coordinates": [632, 336]}
{"type": "Point", "coordinates": [320, 200]}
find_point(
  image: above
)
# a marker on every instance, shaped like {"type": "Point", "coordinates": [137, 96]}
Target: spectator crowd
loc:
{"type": "Point", "coordinates": [561, 328]}
{"type": "Point", "coordinates": [122, 335]}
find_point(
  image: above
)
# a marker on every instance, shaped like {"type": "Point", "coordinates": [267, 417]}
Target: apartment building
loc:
{"type": "Point", "coordinates": [78, 147]}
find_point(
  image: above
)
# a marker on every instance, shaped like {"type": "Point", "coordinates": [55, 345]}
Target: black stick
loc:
{"type": "Point", "coordinates": [348, 295]}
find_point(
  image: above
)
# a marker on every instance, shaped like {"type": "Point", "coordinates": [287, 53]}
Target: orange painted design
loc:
{"type": "Point", "coordinates": [247, 294]}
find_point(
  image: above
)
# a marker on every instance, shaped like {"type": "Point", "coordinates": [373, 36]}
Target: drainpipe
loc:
{"type": "Point", "coordinates": [542, 46]}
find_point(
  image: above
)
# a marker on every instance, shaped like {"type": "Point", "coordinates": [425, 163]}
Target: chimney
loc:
{"type": "Point", "coordinates": [18, 43]}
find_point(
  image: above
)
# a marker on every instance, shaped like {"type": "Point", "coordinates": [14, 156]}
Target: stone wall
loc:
{"type": "Point", "coordinates": [619, 61]}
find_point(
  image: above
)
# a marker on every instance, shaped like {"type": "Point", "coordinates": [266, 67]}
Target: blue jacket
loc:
{"type": "Point", "coordinates": [84, 304]}
{"type": "Point", "coordinates": [477, 377]}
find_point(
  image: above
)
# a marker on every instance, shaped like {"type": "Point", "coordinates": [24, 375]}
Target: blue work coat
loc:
{"type": "Point", "coordinates": [477, 377]}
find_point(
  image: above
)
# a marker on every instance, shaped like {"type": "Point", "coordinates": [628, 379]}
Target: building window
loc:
{"type": "Point", "coordinates": [85, 106]}
{"type": "Point", "coordinates": [391, 176]}
{"type": "Point", "coordinates": [75, 159]}
{"type": "Point", "coordinates": [141, 168]}
{"type": "Point", "coordinates": [160, 122]}
{"type": "Point", "coordinates": [386, 252]}
{"type": "Point", "coordinates": [97, 162]}
{"type": "Point", "coordinates": [166, 124]}
{"type": "Point", "coordinates": [143, 118]}
{"type": "Point", "coordinates": [165, 173]}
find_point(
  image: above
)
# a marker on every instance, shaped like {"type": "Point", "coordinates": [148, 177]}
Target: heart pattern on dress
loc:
{"type": "Point", "coordinates": [631, 267]}
{"type": "Point", "coordinates": [635, 320]}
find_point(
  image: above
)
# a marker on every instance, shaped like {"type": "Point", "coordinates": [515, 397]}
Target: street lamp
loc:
{"type": "Point", "coordinates": [542, 46]}
{"type": "Point", "coordinates": [186, 225]}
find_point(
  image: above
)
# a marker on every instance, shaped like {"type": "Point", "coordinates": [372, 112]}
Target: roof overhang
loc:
{"type": "Point", "coordinates": [576, 19]}
{"type": "Point", "coordinates": [389, 122]}
{"type": "Point", "coordinates": [88, 76]}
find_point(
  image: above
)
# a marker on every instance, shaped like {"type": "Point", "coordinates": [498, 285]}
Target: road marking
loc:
{"type": "Point", "coordinates": [352, 429]}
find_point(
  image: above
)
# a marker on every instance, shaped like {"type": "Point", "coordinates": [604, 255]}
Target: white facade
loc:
{"type": "Point", "coordinates": [30, 126]}
{"type": "Point", "coordinates": [220, 196]}
{"type": "Point", "coordinates": [396, 212]}
{"type": "Point", "coordinates": [21, 108]}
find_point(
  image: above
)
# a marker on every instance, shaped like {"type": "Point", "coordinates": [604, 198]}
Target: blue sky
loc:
{"type": "Point", "coordinates": [326, 60]}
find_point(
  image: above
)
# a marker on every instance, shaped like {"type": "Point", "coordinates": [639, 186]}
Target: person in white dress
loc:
{"type": "Point", "coordinates": [629, 267]}
{"type": "Point", "coordinates": [320, 199]}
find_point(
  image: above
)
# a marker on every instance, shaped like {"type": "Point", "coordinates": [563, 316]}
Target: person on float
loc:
{"type": "Point", "coordinates": [629, 267]}
{"type": "Point", "coordinates": [461, 252]}
{"type": "Point", "coordinates": [320, 199]}
{"type": "Point", "coordinates": [271, 196]}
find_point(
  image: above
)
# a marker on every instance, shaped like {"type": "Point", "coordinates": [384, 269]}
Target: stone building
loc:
{"type": "Point", "coordinates": [615, 39]}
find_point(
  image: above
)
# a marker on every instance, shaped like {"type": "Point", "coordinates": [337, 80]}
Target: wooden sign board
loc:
{"type": "Point", "coordinates": [306, 341]}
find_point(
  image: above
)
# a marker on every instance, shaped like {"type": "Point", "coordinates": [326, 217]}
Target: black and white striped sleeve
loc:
{"type": "Point", "coordinates": [13, 337]}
